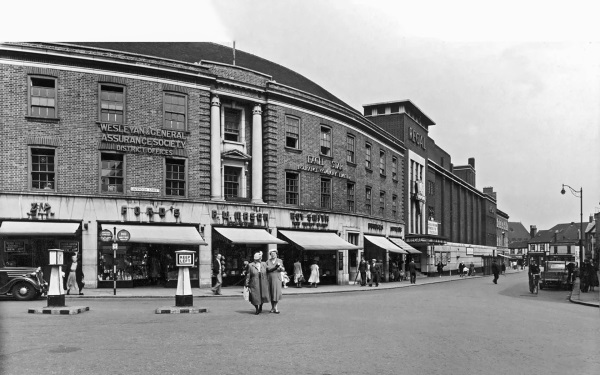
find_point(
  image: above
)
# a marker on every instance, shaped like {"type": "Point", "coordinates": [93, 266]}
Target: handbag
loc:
{"type": "Point", "coordinates": [246, 294]}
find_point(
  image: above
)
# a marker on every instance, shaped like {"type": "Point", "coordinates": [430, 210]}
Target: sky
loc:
{"type": "Point", "coordinates": [513, 84]}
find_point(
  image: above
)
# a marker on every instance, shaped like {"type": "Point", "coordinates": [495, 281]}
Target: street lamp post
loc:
{"type": "Point", "coordinates": [580, 196]}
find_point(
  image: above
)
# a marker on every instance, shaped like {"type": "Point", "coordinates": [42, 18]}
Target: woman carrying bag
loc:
{"type": "Point", "coordinates": [257, 283]}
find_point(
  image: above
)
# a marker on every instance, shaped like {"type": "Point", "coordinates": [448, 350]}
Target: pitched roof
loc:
{"type": "Point", "coordinates": [568, 232]}
{"type": "Point", "coordinates": [192, 52]}
{"type": "Point", "coordinates": [517, 232]}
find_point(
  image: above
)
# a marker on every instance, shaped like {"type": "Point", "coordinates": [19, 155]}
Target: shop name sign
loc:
{"type": "Point", "coordinates": [142, 139]}
{"type": "Point", "coordinates": [312, 220]}
{"type": "Point", "coordinates": [416, 138]}
{"type": "Point", "coordinates": [335, 167]}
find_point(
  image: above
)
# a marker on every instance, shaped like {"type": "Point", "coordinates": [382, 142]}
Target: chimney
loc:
{"type": "Point", "coordinates": [532, 231]}
{"type": "Point", "coordinates": [472, 162]}
{"type": "Point", "coordinates": [591, 219]}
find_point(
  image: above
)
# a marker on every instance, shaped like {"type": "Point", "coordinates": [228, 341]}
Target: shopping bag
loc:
{"type": "Point", "coordinates": [246, 294]}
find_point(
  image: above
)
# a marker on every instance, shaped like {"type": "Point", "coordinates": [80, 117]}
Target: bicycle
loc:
{"type": "Point", "coordinates": [534, 284]}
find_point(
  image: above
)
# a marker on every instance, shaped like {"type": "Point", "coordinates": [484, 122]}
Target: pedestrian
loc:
{"type": "Point", "coordinates": [274, 270]}
{"type": "Point", "coordinates": [503, 268]}
{"type": "Point", "coordinates": [217, 269]}
{"type": "Point", "coordinates": [413, 271]}
{"type": "Point", "coordinates": [395, 273]}
{"type": "Point", "coordinates": [257, 283]}
{"type": "Point", "coordinates": [471, 269]}
{"type": "Point", "coordinates": [375, 273]}
{"type": "Point", "coordinates": [495, 271]}
{"type": "Point", "coordinates": [570, 272]}
{"type": "Point", "coordinates": [440, 268]}
{"type": "Point", "coordinates": [461, 268]}
{"type": "Point", "coordinates": [298, 275]}
{"type": "Point", "coordinates": [362, 268]}
{"type": "Point", "coordinates": [314, 274]}
{"type": "Point", "coordinates": [74, 275]}
{"type": "Point", "coordinates": [593, 276]}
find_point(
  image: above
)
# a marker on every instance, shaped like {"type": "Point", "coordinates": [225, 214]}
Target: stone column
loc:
{"type": "Point", "coordinates": [215, 149]}
{"type": "Point", "coordinates": [257, 158]}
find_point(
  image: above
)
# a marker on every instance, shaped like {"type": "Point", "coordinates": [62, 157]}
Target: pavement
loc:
{"type": "Point", "coordinates": [236, 291]}
{"type": "Point", "coordinates": [588, 299]}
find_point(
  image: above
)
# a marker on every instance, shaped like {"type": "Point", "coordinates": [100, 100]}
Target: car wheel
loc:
{"type": "Point", "coordinates": [23, 291]}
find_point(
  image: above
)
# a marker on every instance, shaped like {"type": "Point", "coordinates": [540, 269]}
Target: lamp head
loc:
{"type": "Point", "coordinates": [563, 190]}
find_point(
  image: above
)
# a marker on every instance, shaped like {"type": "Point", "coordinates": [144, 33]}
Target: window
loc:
{"type": "Point", "coordinates": [394, 168]}
{"type": "Point", "coordinates": [394, 205]}
{"type": "Point", "coordinates": [368, 199]}
{"type": "Point", "coordinates": [174, 111]}
{"type": "Point", "coordinates": [43, 169]}
{"type": "Point", "coordinates": [325, 141]}
{"type": "Point", "coordinates": [381, 202]}
{"type": "Point", "coordinates": [112, 173]}
{"type": "Point", "coordinates": [232, 124]}
{"type": "Point", "coordinates": [532, 247]}
{"type": "Point", "coordinates": [568, 249]}
{"type": "Point", "coordinates": [325, 193]}
{"type": "Point", "coordinates": [292, 132]}
{"type": "Point", "coordinates": [175, 177]}
{"type": "Point", "coordinates": [555, 249]}
{"type": "Point", "coordinates": [291, 188]}
{"type": "Point", "coordinates": [112, 103]}
{"type": "Point", "coordinates": [382, 162]}
{"type": "Point", "coordinates": [431, 212]}
{"type": "Point", "coordinates": [542, 247]}
{"type": "Point", "coordinates": [232, 181]}
{"type": "Point", "coordinates": [350, 196]}
{"type": "Point", "coordinates": [42, 97]}
{"type": "Point", "coordinates": [350, 148]}
{"type": "Point", "coordinates": [368, 156]}
{"type": "Point", "coordinates": [430, 187]}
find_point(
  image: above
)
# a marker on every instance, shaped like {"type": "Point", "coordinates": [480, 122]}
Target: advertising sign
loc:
{"type": "Point", "coordinates": [106, 235]}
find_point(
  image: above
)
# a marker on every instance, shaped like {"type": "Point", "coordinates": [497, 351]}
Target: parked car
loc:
{"type": "Point", "coordinates": [22, 283]}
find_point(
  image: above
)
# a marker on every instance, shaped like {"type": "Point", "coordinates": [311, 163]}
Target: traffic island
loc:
{"type": "Point", "coordinates": [63, 310]}
{"type": "Point", "coordinates": [184, 300]}
{"type": "Point", "coordinates": [56, 296]}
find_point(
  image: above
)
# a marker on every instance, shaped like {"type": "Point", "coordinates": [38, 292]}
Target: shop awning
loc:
{"type": "Point", "coordinates": [249, 236]}
{"type": "Point", "coordinates": [505, 256]}
{"type": "Point", "coordinates": [38, 228]}
{"type": "Point", "coordinates": [176, 235]}
{"type": "Point", "coordinates": [385, 244]}
{"type": "Point", "coordinates": [404, 246]}
{"type": "Point", "coordinates": [318, 240]}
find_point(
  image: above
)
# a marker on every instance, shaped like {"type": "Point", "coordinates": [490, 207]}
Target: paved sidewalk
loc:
{"type": "Point", "coordinates": [236, 291]}
{"type": "Point", "coordinates": [588, 299]}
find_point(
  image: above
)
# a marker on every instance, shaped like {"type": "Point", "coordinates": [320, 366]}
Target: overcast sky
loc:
{"type": "Point", "coordinates": [514, 84]}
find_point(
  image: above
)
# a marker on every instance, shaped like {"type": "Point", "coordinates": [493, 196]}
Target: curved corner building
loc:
{"type": "Point", "coordinates": [182, 148]}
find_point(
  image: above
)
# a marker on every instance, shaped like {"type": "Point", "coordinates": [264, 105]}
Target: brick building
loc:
{"type": "Point", "coordinates": [185, 148]}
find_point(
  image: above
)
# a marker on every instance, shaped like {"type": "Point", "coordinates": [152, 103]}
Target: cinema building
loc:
{"type": "Point", "coordinates": [185, 148]}
{"type": "Point", "coordinates": [447, 219]}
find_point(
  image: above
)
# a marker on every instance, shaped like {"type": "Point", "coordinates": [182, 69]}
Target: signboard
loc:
{"type": "Point", "coordinates": [69, 246]}
{"type": "Point", "coordinates": [469, 251]}
{"type": "Point", "coordinates": [106, 235]}
{"type": "Point", "coordinates": [432, 227]}
{"type": "Point", "coordinates": [184, 258]}
{"type": "Point", "coordinates": [115, 246]}
{"type": "Point", "coordinates": [144, 189]}
{"type": "Point", "coordinates": [14, 246]}
{"type": "Point", "coordinates": [123, 235]}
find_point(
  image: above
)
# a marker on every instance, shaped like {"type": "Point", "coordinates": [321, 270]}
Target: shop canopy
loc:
{"type": "Point", "coordinates": [318, 240]}
{"type": "Point", "coordinates": [38, 228]}
{"type": "Point", "coordinates": [404, 246]}
{"type": "Point", "coordinates": [384, 244]}
{"type": "Point", "coordinates": [249, 236]}
{"type": "Point", "coordinates": [160, 234]}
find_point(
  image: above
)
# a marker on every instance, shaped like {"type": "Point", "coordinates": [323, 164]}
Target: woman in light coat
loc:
{"type": "Point", "coordinates": [274, 269]}
{"type": "Point", "coordinates": [257, 283]}
{"type": "Point", "coordinates": [314, 274]}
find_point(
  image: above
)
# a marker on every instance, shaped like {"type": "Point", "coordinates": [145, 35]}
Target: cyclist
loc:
{"type": "Point", "coordinates": [534, 270]}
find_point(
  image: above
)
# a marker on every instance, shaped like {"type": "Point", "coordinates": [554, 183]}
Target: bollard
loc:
{"type": "Point", "coordinates": [184, 260]}
{"type": "Point", "coordinates": [56, 295]}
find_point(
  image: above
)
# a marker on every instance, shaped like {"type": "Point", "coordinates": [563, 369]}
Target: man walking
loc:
{"type": "Point", "coordinates": [217, 271]}
{"type": "Point", "coordinates": [362, 268]}
{"type": "Point", "coordinates": [495, 271]}
{"type": "Point", "coordinates": [413, 272]}
{"type": "Point", "coordinates": [375, 272]}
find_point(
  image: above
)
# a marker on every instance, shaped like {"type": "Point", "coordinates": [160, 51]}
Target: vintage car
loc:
{"type": "Point", "coordinates": [554, 275]}
{"type": "Point", "coordinates": [22, 283]}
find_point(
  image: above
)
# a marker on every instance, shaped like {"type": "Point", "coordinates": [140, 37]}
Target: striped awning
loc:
{"type": "Point", "coordinates": [249, 236]}
{"type": "Point", "coordinates": [317, 240]}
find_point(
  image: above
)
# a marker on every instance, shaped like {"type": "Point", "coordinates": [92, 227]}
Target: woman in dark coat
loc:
{"type": "Point", "coordinates": [257, 283]}
{"type": "Point", "coordinates": [274, 269]}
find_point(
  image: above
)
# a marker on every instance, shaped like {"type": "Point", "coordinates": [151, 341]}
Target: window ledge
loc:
{"type": "Point", "coordinates": [44, 119]}
{"type": "Point", "coordinates": [369, 170]}
{"type": "Point", "coordinates": [291, 149]}
{"type": "Point", "coordinates": [326, 156]}
{"type": "Point", "coordinates": [350, 163]}
{"type": "Point", "coordinates": [382, 175]}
